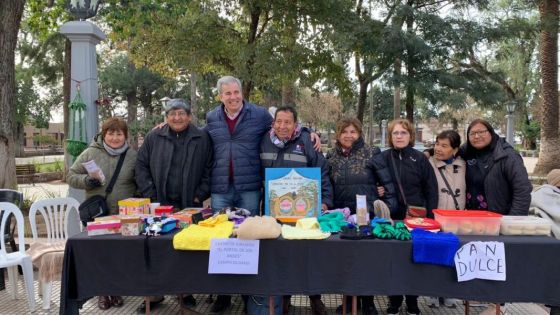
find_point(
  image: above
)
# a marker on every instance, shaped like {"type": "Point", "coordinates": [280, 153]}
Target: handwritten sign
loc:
{"type": "Point", "coordinates": [233, 256]}
{"type": "Point", "coordinates": [481, 260]}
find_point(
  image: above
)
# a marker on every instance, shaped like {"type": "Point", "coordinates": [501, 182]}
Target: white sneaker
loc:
{"type": "Point", "coordinates": [433, 302]}
{"type": "Point", "coordinates": [491, 310]}
{"type": "Point", "coordinates": [451, 303]}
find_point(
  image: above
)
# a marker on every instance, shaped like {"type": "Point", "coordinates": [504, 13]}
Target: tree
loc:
{"type": "Point", "coordinates": [10, 18]}
{"type": "Point", "coordinates": [550, 137]}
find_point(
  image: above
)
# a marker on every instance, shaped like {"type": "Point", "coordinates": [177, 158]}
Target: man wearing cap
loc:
{"type": "Point", "coordinates": [173, 165]}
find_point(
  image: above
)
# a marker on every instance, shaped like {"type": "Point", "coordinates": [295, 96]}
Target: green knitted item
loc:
{"type": "Point", "coordinates": [401, 232]}
{"type": "Point", "coordinates": [384, 231]}
{"type": "Point", "coordinates": [332, 222]}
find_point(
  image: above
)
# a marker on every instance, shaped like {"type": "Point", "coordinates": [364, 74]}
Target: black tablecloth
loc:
{"type": "Point", "coordinates": [139, 266]}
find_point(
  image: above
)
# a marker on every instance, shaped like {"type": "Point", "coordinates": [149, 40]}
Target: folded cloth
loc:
{"type": "Point", "coordinates": [384, 231]}
{"type": "Point", "coordinates": [199, 236]}
{"type": "Point", "coordinates": [434, 248]}
{"type": "Point", "coordinates": [257, 228]}
{"type": "Point", "coordinates": [332, 222]}
{"type": "Point", "coordinates": [401, 232]}
{"type": "Point", "coordinates": [306, 228]}
{"type": "Point", "coordinates": [48, 258]}
{"type": "Point", "coordinates": [344, 211]}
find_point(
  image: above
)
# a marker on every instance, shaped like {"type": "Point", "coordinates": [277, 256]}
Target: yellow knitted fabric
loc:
{"type": "Point", "coordinates": [305, 229]}
{"type": "Point", "coordinates": [197, 237]}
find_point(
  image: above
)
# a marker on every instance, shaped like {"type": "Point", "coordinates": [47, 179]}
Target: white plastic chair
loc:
{"type": "Point", "coordinates": [57, 213]}
{"type": "Point", "coordinates": [13, 259]}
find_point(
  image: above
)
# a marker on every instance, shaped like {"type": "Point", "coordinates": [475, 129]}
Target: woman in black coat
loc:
{"type": "Point", "coordinates": [412, 171]}
{"type": "Point", "coordinates": [356, 168]}
{"type": "Point", "coordinates": [496, 178]}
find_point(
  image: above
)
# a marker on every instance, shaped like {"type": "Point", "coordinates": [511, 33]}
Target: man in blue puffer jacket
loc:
{"type": "Point", "coordinates": [236, 128]}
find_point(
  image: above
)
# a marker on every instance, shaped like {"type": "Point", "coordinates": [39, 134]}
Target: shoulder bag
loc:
{"type": "Point", "coordinates": [411, 211]}
{"type": "Point", "coordinates": [96, 206]}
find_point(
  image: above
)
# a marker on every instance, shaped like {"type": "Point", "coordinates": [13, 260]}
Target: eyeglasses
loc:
{"type": "Point", "coordinates": [399, 133]}
{"type": "Point", "coordinates": [477, 133]}
{"type": "Point", "coordinates": [177, 114]}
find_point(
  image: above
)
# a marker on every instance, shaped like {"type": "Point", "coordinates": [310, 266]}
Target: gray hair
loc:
{"type": "Point", "coordinates": [177, 103]}
{"type": "Point", "coordinates": [227, 80]}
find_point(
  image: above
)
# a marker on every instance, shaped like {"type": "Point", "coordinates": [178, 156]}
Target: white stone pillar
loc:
{"type": "Point", "coordinates": [84, 37]}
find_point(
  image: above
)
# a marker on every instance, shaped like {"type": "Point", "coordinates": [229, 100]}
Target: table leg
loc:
{"type": "Point", "coordinates": [498, 309]}
{"type": "Point", "coordinates": [147, 301]}
{"type": "Point", "coordinates": [2, 280]}
{"type": "Point", "coordinates": [466, 307]}
{"type": "Point", "coordinates": [344, 304]}
{"type": "Point", "coordinates": [354, 305]}
{"type": "Point", "coordinates": [271, 305]}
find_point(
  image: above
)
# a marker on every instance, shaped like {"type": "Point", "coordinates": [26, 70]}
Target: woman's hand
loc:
{"type": "Point", "coordinates": [92, 182]}
{"type": "Point", "coordinates": [316, 141]}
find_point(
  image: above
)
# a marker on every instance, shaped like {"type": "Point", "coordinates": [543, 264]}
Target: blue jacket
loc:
{"type": "Point", "coordinates": [242, 147]}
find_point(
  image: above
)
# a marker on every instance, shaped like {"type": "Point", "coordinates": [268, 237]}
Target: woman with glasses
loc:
{"type": "Point", "coordinates": [416, 186]}
{"type": "Point", "coordinates": [496, 177]}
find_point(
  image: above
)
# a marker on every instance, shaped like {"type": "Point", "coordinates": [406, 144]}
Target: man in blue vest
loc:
{"type": "Point", "coordinates": [236, 128]}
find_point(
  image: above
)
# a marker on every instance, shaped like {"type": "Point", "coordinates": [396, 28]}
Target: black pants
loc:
{"type": "Point", "coordinates": [411, 301]}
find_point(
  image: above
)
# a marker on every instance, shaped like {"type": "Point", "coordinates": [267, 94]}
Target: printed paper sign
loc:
{"type": "Point", "coordinates": [481, 260]}
{"type": "Point", "coordinates": [233, 256]}
{"type": "Point", "coordinates": [94, 170]}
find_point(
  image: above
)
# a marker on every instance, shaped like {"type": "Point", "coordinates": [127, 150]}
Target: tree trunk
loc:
{"type": "Point", "coordinates": [288, 94]}
{"type": "Point", "coordinates": [132, 111]}
{"type": "Point", "coordinates": [19, 138]}
{"type": "Point", "coordinates": [66, 87]}
{"type": "Point", "coordinates": [194, 110]}
{"type": "Point", "coordinates": [362, 98]}
{"type": "Point", "coordinates": [397, 91]}
{"type": "Point", "coordinates": [410, 71]}
{"type": "Point", "coordinates": [550, 138]}
{"type": "Point", "coordinates": [10, 18]}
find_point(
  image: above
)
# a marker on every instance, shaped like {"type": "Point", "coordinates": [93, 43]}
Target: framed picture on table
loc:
{"type": "Point", "coordinates": [292, 193]}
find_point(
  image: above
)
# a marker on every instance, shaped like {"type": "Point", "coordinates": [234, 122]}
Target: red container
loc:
{"type": "Point", "coordinates": [469, 222]}
{"type": "Point", "coordinates": [164, 210]}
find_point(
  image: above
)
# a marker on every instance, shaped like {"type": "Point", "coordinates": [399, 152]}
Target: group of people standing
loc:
{"type": "Point", "coordinates": [182, 165]}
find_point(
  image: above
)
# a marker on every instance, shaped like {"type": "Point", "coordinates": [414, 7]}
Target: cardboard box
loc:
{"type": "Point", "coordinates": [163, 210]}
{"type": "Point", "coordinates": [131, 226]}
{"type": "Point", "coordinates": [190, 215]}
{"type": "Point", "coordinates": [134, 206]}
{"type": "Point", "coordinates": [103, 227]}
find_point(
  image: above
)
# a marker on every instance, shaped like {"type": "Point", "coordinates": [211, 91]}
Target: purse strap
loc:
{"type": "Point", "coordinates": [449, 187]}
{"type": "Point", "coordinates": [109, 188]}
{"type": "Point", "coordinates": [398, 177]}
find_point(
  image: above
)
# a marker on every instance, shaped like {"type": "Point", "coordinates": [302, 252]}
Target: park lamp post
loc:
{"type": "Point", "coordinates": [83, 9]}
{"type": "Point", "coordinates": [164, 101]}
{"type": "Point", "coordinates": [510, 107]}
{"type": "Point", "coordinates": [383, 132]}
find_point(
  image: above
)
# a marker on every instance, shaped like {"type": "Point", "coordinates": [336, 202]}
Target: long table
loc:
{"type": "Point", "coordinates": [140, 266]}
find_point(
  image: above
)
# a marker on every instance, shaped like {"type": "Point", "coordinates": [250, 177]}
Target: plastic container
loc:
{"type": "Point", "coordinates": [422, 223]}
{"type": "Point", "coordinates": [524, 225]}
{"type": "Point", "coordinates": [469, 222]}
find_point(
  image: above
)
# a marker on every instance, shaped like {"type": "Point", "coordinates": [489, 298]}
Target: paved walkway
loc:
{"type": "Point", "coordinates": [169, 306]}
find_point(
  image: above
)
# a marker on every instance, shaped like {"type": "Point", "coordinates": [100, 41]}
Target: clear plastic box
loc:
{"type": "Point", "coordinates": [524, 225]}
{"type": "Point", "coordinates": [469, 222]}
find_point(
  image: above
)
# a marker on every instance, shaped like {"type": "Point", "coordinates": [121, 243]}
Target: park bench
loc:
{"type": "Point", "coordinates": [26, 171]}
